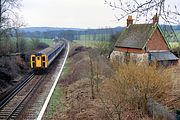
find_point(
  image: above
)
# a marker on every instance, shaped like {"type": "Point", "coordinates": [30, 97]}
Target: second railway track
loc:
{"type": "Point", "coordinates": [11, 109]}
{"type": "Point", "coordinates": [17, 101]}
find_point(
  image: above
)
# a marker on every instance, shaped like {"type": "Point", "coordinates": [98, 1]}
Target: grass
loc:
{"type": "Point", "coordinates": [47, 41]}
{"type": "Point", "coordinates": [55, 102]}
{"type": "Point", "coordinates": [87, 43]}
{"type": "Point", "coordinates": [44, 40]}
{"type": "Point", "coordinates": [178, 34]}
{"type": "Point", "coordinates": [29, 43]}
{"type": "Point", "coordinates": [57, 99]}
{"type": "Point", "coordinates": [90, 43]}
{"type": "Point", "coordinates": [67, 68]}
{"type": "Point", "coordinates": [95, 37]}
{"type": "Point", "coordinates": [133, 84]}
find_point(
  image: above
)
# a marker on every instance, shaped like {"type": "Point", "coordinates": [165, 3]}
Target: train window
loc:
{"type": "Point", "coordinates": [38, 58]}
{"type": "Point", "coordinates": [43, 58]}
{"type": "Point", "coordinates": [33, 58]}
{"type": "Point", "coordinates": [43, 64]}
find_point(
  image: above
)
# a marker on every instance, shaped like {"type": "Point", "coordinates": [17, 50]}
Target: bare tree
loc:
{"type": "Point", "coordinates": [7, 12]}
{"type": "Point", "coordinates": [8, 17]}
{"type": "Point", "coordinates": [145, 9]}
{"type": "Point", "coordinates": [35, 42]}
{"type": "Point", "coordinates": [17, 23]}
{"type": "Point", "coordinates": [92, 73]}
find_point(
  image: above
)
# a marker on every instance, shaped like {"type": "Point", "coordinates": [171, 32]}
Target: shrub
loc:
{"type": "Point", "coordinates": [42, 45]}
{"type": "Point", "coordinates": [132, 85]}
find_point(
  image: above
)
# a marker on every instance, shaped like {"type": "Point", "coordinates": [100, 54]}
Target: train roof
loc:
{"type": "Point", "coordinates": [48, 50]}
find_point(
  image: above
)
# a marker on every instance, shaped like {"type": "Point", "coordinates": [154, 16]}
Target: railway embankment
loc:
{"type": "Point", "coordinates": [75, 99]}
{"type": "Point", "coordinates": [12, 68]}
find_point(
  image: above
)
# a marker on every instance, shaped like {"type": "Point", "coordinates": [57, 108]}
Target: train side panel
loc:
{"type": "Point", "coordinates": [55, 53]}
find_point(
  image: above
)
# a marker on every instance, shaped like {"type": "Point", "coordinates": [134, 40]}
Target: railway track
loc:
{"type": "Point", "coordinates": [14, 103]}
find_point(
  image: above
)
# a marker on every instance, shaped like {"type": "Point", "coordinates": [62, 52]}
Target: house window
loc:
{"type": "Point", "coordinates": [149, 56]}
{"type": "Point", "coordinates": [127, 57]}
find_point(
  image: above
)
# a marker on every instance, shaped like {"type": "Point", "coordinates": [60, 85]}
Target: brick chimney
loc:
{"type": "Point", "coordinates": [155, 19]}
{"type": "Point", "coordinates": [129, 20]}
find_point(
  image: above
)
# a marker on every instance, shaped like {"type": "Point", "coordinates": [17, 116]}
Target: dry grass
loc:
{"type": "Point", "coordinates": [123, 89]}
{"type": "Point", "coordinates": [132, 86]}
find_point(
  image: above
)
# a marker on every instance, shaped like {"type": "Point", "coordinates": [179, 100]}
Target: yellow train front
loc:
{"type": "Point", "coordinates": [41, 60]}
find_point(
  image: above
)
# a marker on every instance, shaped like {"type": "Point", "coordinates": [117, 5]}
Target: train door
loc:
{"type": "Point", "coordinates": [44, 61]}
{"type": "Point", "coordinates": [38, 61]}
{"type": "Point", "coordinates": [33, 61]}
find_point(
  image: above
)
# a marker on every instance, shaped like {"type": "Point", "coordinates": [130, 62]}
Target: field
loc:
{"type": "Point", "coordinates": [87, 43]}
{"type": "Point", "coordinates": [91, 43]}
{"type": "Point", "coordinates": [178, 34]}
{"type": "Point", "coordinates": [174, 44]}
{"type": "Point", "coordinates": [44, 40]}
{"type": "Point", "coordinates": [96, 37]}
{"type": "Point", "coordinates": [26, 44]}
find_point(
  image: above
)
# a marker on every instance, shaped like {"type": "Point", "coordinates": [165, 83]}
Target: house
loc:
{"type": "Point", "coordinates": [143, 43]}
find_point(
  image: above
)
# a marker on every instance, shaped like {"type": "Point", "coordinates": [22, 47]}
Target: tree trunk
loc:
{"type": "Point", "coordinates": [91, 78]}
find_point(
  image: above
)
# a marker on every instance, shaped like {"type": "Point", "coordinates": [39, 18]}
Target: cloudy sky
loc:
{"type": "Point", "coordinates": [70, 13]}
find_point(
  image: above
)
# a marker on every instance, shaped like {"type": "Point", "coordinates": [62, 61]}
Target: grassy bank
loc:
{"type": "Point", "coordinates": [56, 101]}
{"type": "Point", "coordinates": [58, 98]}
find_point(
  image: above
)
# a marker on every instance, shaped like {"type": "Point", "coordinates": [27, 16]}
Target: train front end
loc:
{"type": "Point", "coordinates": [39, 61]}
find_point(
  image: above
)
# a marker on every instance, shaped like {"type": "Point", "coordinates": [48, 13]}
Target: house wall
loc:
{"type": "Point", "coordinates": [117, 56]}
{"type": "Point", "coordinates": [130, 50]}
{"type": "Point", "coordinates": [157, 42]}
{"type": "Point", "coordinates": [133, 57]}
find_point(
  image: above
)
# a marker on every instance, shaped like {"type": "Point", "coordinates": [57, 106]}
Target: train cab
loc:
{"type": "Point", "coordinates": [39, 61]}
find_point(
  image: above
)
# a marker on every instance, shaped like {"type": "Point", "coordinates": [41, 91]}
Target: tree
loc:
{"type": "Point", "coordinates": [7, 13]}
{"type": "Point", "coordinates": [146, 9]}
{"type": "Point", "coordinates": [35, 42]}
{"type": "Point", "coordinates": [17, 23]}
{"type": "Point", "coordinates": [8, 18]}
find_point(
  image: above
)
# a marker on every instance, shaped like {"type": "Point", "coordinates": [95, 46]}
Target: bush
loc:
{"type": "Point", "coordinates": [42, 45]}
{"type": "Point", "coordinates": [133, 84]}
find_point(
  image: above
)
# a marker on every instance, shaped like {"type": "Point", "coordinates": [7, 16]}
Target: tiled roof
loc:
{"type": "Point", "coordinates": [163, 56]}
{"type": "Point", "coordinates": [135, 36]}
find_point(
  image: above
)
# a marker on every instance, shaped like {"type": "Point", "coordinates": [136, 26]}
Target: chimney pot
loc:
{"type": "Point", "coordinates": [155, 19]}
{"type": "Point", "coordinates": [129, 20]}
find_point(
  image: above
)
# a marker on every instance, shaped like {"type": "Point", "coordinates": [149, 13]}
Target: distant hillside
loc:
{"type": "Point", "coordinates": [175, 27]}
{"type": "Point", "coordinates": [68, 33]}
{"type": "Point", "coordinates": [45, 29]}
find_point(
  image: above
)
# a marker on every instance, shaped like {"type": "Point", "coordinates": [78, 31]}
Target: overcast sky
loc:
{"type": "Point", "coordinates": [70, 13]}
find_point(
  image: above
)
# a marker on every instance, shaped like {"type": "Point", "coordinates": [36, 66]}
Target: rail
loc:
{"type": "Point", "coordinates": [13, 92]}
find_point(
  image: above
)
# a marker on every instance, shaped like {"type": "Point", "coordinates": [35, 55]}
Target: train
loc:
{"type": "Point", "coordinates": [41, 60]}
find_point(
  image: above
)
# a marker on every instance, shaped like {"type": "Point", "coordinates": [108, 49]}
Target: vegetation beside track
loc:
{"type": "Point", "coordinates": [86, 87]}
{"type": "Point", "coordinates": [56, 102]}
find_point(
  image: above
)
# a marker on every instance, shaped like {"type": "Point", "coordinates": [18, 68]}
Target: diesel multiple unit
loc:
{"type": "Point", "coordinates": [44, 58]}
